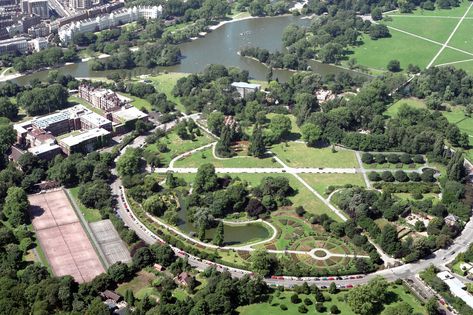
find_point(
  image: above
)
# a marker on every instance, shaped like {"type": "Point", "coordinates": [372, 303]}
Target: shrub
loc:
{"type": "Point", "coordinates": [300, 211]}
{"type": "Point", "coordinates": [393, 158]}
{"type": "Point", "coordinates": [319, 307]}
{"type": "Point", "coordinates": [283, 307]}
{"type": "Point", "coordinates": [380, 158]}
{"type": "Point", "coordinates": [307, 301]}
{"type": "Point", "coordinates": [387, 176]}
{"type": "Point", "coordinates": [302, 309]}
{"type": "Point", "coordinates": [401, 176]}
{"type": "Point", "coordinates": [405, 158]}
{"type": "Point", "coordinates": [419, 159]}
{"type": "Point", "coordinates": [427, 176]}
{"type": "Point", "coordinates": [295, 299]}
{"type": "Point", "coordinates": [367, 158]}
{"type": "Point", "coordinates": [417, 195]}
{"type": "Point", "coordinates": [374, 176]}
{"type": "Point", "coordinates": [334, 309]}
{"type": "Point", "coordinates": [414, 176]}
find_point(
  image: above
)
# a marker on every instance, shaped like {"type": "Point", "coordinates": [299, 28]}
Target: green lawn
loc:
{"type": "Point", "coordinates": [455, 12]}
{"type": "Point", "coordinates": [377, 53]}
{"type": "Point", "coordinates": [449, 55]}
{"type": "Point", "coordinates": [90, 215]}
{"type": "Point", "coordinates": [206, 156]}
{"type": "Point", "coordinates": [320, 182]}
{"type": "Point", "coordinates": [139, 103]}
{"type": "Point", "coordinates": [462, 38]}
{"type": "Point", "coordinates": [178, 146]}
{"type": "Point", "coordinates": [431, 28]}
{"type": "Point", "coordinates": [296, 154]}
{"type": "Point", "coordinates": [465, 123]}
{"type": "Point", "coordinates": [398, 295]}
{"type": "Point", "coordinates": [140, 285]}
{"type": "Point", "coordinates": [412, 102]}
{"type": "Point", "coordinates": [165, 82]}
{"type": "Point", "coordinates": [294, 127]}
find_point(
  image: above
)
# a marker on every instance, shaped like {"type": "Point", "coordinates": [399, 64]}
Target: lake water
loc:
{"type": "Point", "coordinates": [218, 47]}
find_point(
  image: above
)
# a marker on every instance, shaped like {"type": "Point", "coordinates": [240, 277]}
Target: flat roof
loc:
{"type": "Point", "coordinates": [95, 119]}
{"type": "Point", "coordinates": [65, 114]}
{"type": "Point", "coordinates": [128, 114]}
{"type": "Point", "coordinates": [456, 287]}
{"type": "Point", "coordinates": [84, 136]}
{"type": "Point", "coordinates": [43, 148]}
{"type": "Point", "coordinates": [246, 85]}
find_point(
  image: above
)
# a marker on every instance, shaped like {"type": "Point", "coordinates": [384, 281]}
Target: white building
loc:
{"type": "Point", "coordinates": [246, 88]}
{"type": "Point", "coordinates": [19, 44]}
{"type": "Point", "coordinates": [38, 44]}
{"type": "Point", "coordinates": [107, 21]}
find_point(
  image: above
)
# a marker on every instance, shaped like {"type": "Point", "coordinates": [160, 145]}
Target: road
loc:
{"type": "Point", "coordinates": [57, 6]}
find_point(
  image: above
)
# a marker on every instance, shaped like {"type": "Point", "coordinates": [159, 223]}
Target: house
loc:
{"type": "Point", "coordinates": [111, 295]}
{"type": "Point", "coordinates": [159, 268]}
{"type": "Point", "coordinates": [324, 95]}
{"type": "Point", "coordinates": [451, 219]}
{"type": "Point", "coordinates": [183, 279]}
{"type": "Point", "coordinates": [245, 88]}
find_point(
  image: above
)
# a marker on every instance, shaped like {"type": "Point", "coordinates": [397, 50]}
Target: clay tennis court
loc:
{"type": "Point", "coordinates": [62, 238]}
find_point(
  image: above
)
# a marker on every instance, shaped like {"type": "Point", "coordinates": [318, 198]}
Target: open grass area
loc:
{"type": "Point", "coordinates": [320, 182]}
{"type": "Point", "coordinates": [457, 116]}
{"type": "Point", "coordinates": [297, 154]}
{"type": "Point", "coordinates": [177, 146]}
{"type": "Point", "coordinates": [453, 12]}
{"type": "Point", "coordinates": [411, 102]}
{"type": "Point", "coordinates": [397, 294]}
{"type": "Point", "coordinates": [140, 285]}
{"type": "Point", "coordinates": [139, 103]}
{"type": "Point", "coordinates": [165, 82]}
{"type": "Point", "coordinates": [90, 215]}
{"type": "Point", "coordinates": [206, 156]}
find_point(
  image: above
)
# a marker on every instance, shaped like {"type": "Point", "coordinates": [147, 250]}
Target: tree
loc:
{"type": "Point", "coordinates": [8, 109]}
{"type": "Point", "coordinates": [376, 14]}
{"type": "Point", "coordinates": [215, 122]}
{"type": "Point", "coordinates": [164, 254]}
{"type": "Point", "coordinates": [332, 289]}
{"type": "Point", "coordinates": [365, 299]}
{"type": "Point", "coordinates": [389, 240]}
{"type": "Point", "coordinates": [129, 297]}
{"type": "Point", "coordinates": [205, 179]}
{"type": "Point", "coordinates": [432, 306]}
{"type": "Point", "coordinates": [257, 147]}
{"type": "Point", "coordinates": [219, 237]}
{"type": "Point", "coordinates": [311, 134]}
{"type": "Point", "coordinates": [97, 308]}
{"type": "Point", "coordinates": [455, 169]}
{"type": "Point", "coordinates": [377, 31]}
{"type": "Point", "coordinates": [155, 205]}
{"type": "Point", "coordinates": [262, 263]}
{"type": "Point", "coordinates": [280, 127]}
{"type": "Point", "coordinates": [129, 163]}
{"type": "Point", "coordinates": [118, 272]}
{"type": "Point", "coordinates": [15, 206]}
{"type": "Point", "coordinates": [394, 66]}
{"type": "Point", "coordinates": [143, 257]}
{"type": "Point", "coordinates": [402, 308]}
{"type": "Point", "coordinates": [334, 309]}
{"type": "Point", "coordinates": [254, 208]}
{"type": "Point", "coordinates": [222, 148]}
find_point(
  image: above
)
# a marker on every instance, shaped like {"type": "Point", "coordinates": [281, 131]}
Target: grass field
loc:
{"type": "Point", "coordinates": [177, 146]}
{"type": "Point", "coordinates": [206, 156]}
{"type": "Point", "coordinates": [412, 102]}
{"type": "Point", "coordinates": [417, 37]}
{"type": "Point", "coordinates": [90, 215]}
{"type": "Point", "coordinates": [296, 154]}
{"type": "Point", "coordinates": [397, 294]}
{"type": "Point", "coordinates": [320, 182]}
{"type": "Point", "coordinates": [165, 82]}
{"type": "Point", "coordinates": [457, 116]}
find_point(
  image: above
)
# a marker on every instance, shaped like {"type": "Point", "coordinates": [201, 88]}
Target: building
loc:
{"type": "Point", "coordinates": [128, 114]}
{"type": "Point", "coordinates": [38, 44]}
{"type": "Point", "coordinates": [104, 99]}
{"type": "Point", "coordinates": [18, 44]}
{"type": "Point", "coordinates": [36, 7]}
{"type": "Point", "coordinates": [324, 95]}
{"type": "Point", "coordinates": [159, 268]}
{"type": "Point", "coordinates": [183, 279]}
{"type": "Point", "coordinates": [85, 141]}
{"type": "Point", "coordinates": [457, 287]}
{"type": "Point", "coordinates": [451, 219]}
{"type": "Point", "coordinates": [80, 4]}
{"type": "Point", "coordinates": [92, 120]}
{"type": "Point", "coordinates": [244, 88]}
{"type": "Point", "coordinates": [46, 151]}
{"type": "Point", "coordinates": [109, 20]}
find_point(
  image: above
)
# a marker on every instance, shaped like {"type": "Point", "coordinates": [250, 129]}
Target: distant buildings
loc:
{"type": "Point", "coordinates": [19, 44]}
{"type": "Point", "coordinates": [246, 88]}
{"type": "Point", "coordinates": [105, 21]}
{"type": "Point", "coordinates": [36, 7]}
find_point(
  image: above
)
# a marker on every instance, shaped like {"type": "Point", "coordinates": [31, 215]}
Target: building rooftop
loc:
{"type": "Point", "coordinates": [84, 136]}
{"type": "Point", "coordinates": [95, 119]}
{"type": "Point", "coordinates": [43, 148]}
{"type": "Point", "coordinates": [245, 85]}
{"type": "Point", "coordinates": [45, 121]}
{"type": "Point", "coordinates": [129, 114]}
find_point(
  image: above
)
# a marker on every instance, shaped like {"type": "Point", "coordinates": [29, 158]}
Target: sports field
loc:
{"type": "Point", "coordinates": [424, 38]}
{"type": "Point", "coordinates": [61, 236]}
